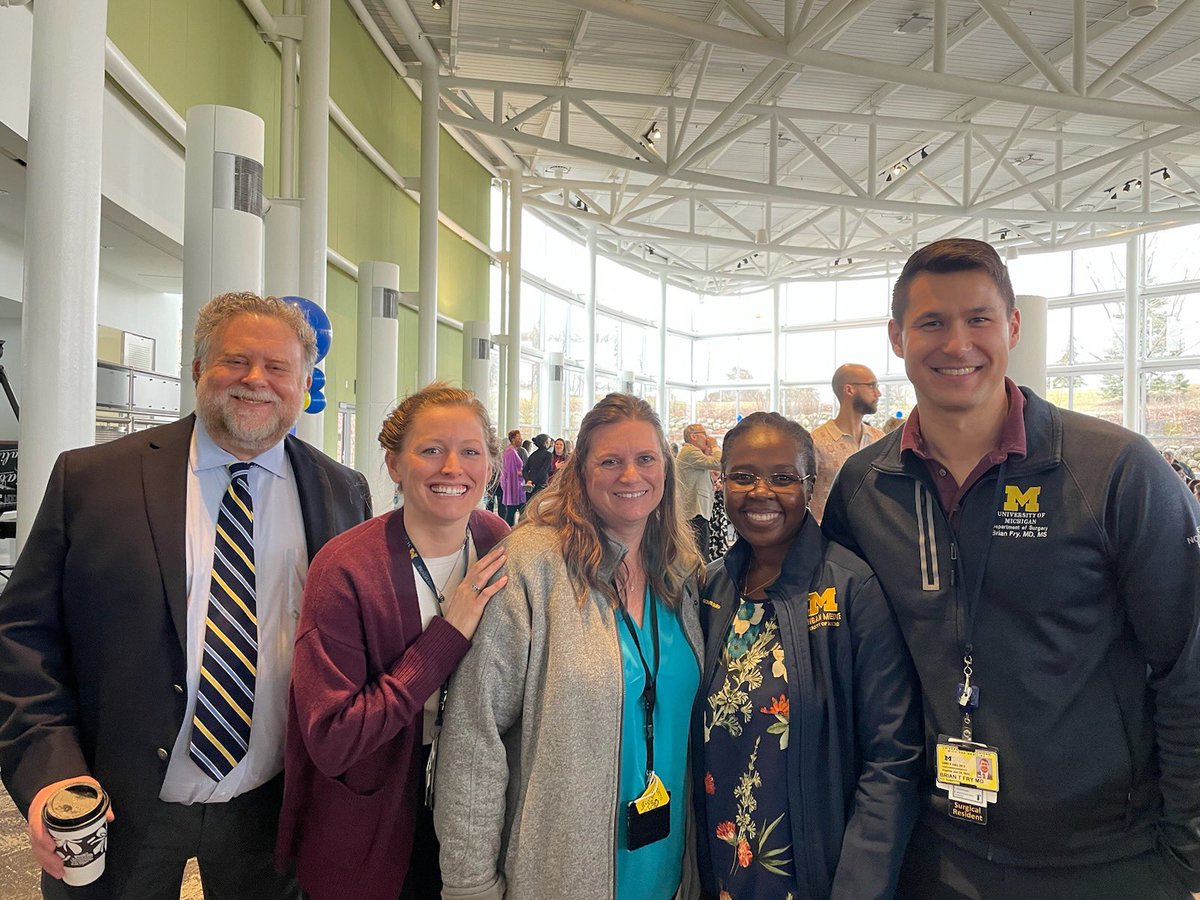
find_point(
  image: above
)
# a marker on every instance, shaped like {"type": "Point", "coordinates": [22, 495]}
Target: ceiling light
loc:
{"type": "Point", "coordinates": [1139, 8]}
{"type": "Point", "coordinates": [914, 24]}
{"type": "Point", "coordinates": [924, 153]}
{"type": "Point", "coordinates": [899, 168]}
{"type": "Point", "coordinates": [437, 4]}
{"type": "Point", "coordinates": [655, 132]}
{"type": "Point", "coordinates": [1166, 175]}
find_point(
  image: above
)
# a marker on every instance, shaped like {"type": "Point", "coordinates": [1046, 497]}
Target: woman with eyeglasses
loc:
{"type": "Point", "coordinates": [807, 738]}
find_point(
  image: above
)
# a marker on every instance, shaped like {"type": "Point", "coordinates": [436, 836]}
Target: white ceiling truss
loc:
{"type": "Point", "coordinates": [737, 142]}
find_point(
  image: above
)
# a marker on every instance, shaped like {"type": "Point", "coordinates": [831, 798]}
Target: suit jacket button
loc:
{"type": "Point", "coordinates": [178, 688]}
{"type": "Point", "coordinates": [163, 754]}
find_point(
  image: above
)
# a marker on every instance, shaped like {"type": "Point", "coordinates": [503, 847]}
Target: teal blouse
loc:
{"type": "Point", "coordinates": [653, 872]}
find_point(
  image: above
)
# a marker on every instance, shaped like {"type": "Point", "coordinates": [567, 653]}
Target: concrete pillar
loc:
{"type": "Point", "coordinates": [62, 243]}
{"type": "Point", "coordinates": [555, 394]}
{"type": "Point", "coordinates": [1027, 361]}
{"type": "Point", "coordinates": [427, 263]}
{"type": "Point", "coordinates": [314, 175]}
{"type": "Point", "coordinates": [477, 357]}
{"type": "Point", "coordinates": [375, 381]}
{"type": "Point", "coordinates": [516, 206]}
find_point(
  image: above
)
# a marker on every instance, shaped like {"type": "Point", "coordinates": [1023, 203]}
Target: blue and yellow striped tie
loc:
{"type": "Point", "coordinates": [225, 697]}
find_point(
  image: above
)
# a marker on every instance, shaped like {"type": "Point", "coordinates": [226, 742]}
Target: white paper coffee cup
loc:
{"type": "Point", "coordinates": [76, 818]}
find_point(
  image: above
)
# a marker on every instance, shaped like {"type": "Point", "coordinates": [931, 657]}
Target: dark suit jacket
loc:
{"type": "Point", "coordinates": [93, 623]}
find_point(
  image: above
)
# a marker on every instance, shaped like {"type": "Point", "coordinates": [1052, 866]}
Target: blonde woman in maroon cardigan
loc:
{"type": "Point", "coordinates": [389, 611]}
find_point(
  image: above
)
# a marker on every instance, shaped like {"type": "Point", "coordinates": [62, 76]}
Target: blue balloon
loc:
{"type": "Point", "coordinates": [318, 319]}
{"type": "Point", "coordinates": [314, 400]}
{"type": "Point", "coordinates": [318, 381]}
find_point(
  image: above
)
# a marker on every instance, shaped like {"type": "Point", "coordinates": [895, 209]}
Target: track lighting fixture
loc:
{"type": "Point", "coordinates": [655, 133]}
{"type": "Point", "coordinates": [437, 4]}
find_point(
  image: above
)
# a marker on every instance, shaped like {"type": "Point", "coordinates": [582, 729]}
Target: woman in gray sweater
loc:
{"type": "Point", "coordinates": [566, 724]}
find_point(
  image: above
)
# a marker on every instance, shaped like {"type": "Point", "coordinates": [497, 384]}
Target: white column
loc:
{"type": "Point", "coordinates": [776, 350]}
{"type": "Point", "coordinates": [427, 262]}
{"type": "Point", "coordinates": [663, 406]}
{"type": "Point", "coordinates": [555, 376]}
{"type": "Point", "coordinates": [477, 355]}
{"type": "Point", "coordinates": [281, 248]}
{"type": "Point", "coordinates": [222, 216]}
{"type": "Point", "coordinates": [62, 242]}
{"type": "Point", "coordinates": [375, 377]}
{"type": "Point", "coordinates": [1027, 361]}
{"type": "Point", "coordinates": [515, 206]}
{"type": "Point", "coordinates": [287, 108]}
{"type": "Point", "coordinates": [589, 336]}
{"type": "Point", "coordinates": [314, 175]}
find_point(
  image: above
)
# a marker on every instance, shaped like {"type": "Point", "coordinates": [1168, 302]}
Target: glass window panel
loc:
{"type": "Point", "coordinates": [496, 216]}
{"type": "Point", "coordinates": [864, 346]}
{"type": "Point", "coordinates": [1058, 336]}
{"type": "Point", "coordinates": [679, 412]}
{"type": "Point", "coordinates": [531, 391]}
{"type": "Point", "coordinates": [808, 356]}
{"type": "Point", "coordinates": [679, 358]}
{"type": "Point", "coordinates": [531, 315]}
{"type": "Point", "coordinates": [577, 406]}
{"type": "Point", "coordinates": [625, 290]}
{"type": "Point", "coordinates": [862, 298]}
{"type": "Point", "coordinates": [753, 400]}
{"type": "Point", "coordinates": [722, 359]}
{"type": "Point", "coordinates": [1171, 410]}
{"type": "Point", "coordinates": [1098, 394]}
{"type": "Point", "coordinates": [557, 311]}
{"type": "Point", "coordinates": [635, 351]}
{"type": "Point", "coordinates": [808, 404]}
{"type": "Point", "coordinates": [1041, 274]}
{"type": "Point", "coordinates": [605, 385]}
{"type": "Point", "coordinates": [896, 397]}
{"type": "Point", "coordinates": [808, 302]}
{"type": "Point", "coordinates": [608, 339]}
{"type": "Point", "coordinates": [679, 307]}
{"type": "Point", "coordinates": [1171, 255]}
{"type": "Point", "coordinates": [745, 312]}
{"type": "Point", "coordinates": [716, 410]}
{"type": "Point", "coordinates": [1099, 269]}
{"type": "Point", "coordinates": [1098, 332]}
{"type": "Point", "coordinates": [566, 261]}
{"type": "Point", "coordinates": [533, 244]}
{"type": "Point", "coordinates": [1172, 326]}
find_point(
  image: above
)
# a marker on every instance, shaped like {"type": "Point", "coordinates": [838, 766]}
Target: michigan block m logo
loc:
{"type": "Point", "coordinates": [1015, 498]}
{"type": "Point", "coordinates": [826, 601]}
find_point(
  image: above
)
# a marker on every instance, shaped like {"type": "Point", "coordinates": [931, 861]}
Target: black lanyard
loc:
{"type": "Point", "coordinates": [423, 570]}
{"type": "Point", "coordinates": [971, 605]}
{"type": "Point", "coordinates": [649, 694]}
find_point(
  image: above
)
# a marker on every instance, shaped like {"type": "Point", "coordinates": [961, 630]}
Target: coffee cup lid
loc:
{"type": "Point", "coordinates": [74, 805]}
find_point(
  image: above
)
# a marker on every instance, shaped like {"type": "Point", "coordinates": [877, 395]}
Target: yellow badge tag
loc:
{"type": "Point", "coordinates": [653, 797]}
{"type": "Point", "coordinates": [972, 765]}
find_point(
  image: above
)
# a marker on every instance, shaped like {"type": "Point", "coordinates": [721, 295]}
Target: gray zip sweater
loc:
{"type": "Point", "coordinates": [528, 761]}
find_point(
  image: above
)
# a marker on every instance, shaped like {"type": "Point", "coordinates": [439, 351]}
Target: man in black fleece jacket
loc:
{"type": "Point", "coordinates": [1045, 570]}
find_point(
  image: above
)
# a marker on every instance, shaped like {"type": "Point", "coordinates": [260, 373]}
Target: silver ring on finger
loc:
{"type": "Point", "coordinates": [476, 588]}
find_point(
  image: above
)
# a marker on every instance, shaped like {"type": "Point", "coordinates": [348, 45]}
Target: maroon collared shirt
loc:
{"type": "Point", "coordinates": [1010, 442]}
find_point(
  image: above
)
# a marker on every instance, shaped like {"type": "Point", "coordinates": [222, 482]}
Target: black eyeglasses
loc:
{"type": "Point", "coordinates": [873, 385]}
{"type": "Point", "coordinates": [777, 483]}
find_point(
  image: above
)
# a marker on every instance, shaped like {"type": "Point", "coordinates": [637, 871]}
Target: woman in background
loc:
{"type": "Point", "coordinates": [389, 611]}
{"type": "Point", "coordinates": [546, 747]}
{"type": "Point", "coordinates": [512, 482]}
{"type": "Point", "coordinates": [560, 456]}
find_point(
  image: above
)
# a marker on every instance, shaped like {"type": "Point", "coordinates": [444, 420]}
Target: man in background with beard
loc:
{"type": "Point", "coordinates": [146, 633]}
{"type": "Point", "coordinates": [857, 393]}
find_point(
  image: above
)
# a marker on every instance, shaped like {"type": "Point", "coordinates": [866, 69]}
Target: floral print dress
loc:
{"type": "Point", "coordinates": [745, 760]}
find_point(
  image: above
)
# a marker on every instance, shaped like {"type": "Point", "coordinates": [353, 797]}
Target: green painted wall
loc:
{"type": "Point", "coordinates": [209, 51]}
